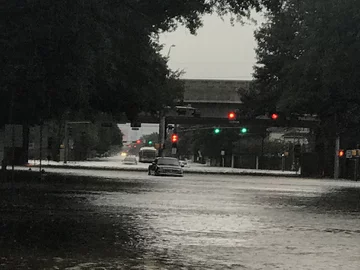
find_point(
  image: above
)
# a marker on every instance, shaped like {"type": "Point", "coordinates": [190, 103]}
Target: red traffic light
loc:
{"type": "Point", "coordinates": [174, 138]}
{"type": "Point", "coordinates": [274, 116]}
{"type": "Point", "coordinates": [138, 141]}
{"type": "Point", "coordinates": [231, 116]}
{"type": "Point", "coordinates": [341, 153]}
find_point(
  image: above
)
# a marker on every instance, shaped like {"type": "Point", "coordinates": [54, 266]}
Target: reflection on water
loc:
{"type": "Point", "coordinates": [167, 223]}
{"type": "Point", "coordinates": [336, 200]}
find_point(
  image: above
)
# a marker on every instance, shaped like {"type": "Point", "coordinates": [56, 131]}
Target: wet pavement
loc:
{"type": "Point", "coordinates": [128, 220]}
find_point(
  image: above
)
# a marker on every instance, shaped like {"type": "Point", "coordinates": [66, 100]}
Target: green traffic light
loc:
{"type": "Point", "coordinates": [217, 130]}
{"type": "Point", "coordinates": [150, 142]}
{"type": "Point", "coordinates": [244, 130]}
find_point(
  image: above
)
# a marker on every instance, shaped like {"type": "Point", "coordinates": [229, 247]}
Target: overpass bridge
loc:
{"type": "Point", "coordinates": [214, 98]}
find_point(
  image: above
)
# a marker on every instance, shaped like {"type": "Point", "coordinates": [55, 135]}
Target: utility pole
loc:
{"type": "Point", "coordinates": [337, 149]}
{"type": "Point", "coordinates": [66, 143]}
{"type": "Point", "coordinates": [41, 146]}
{"type": "Point", "coordinates": [337, 160]}
{"type": "Point", "coordinates": [11, 116]}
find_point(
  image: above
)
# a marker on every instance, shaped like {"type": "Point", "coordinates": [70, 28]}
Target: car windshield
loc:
{"type": "Point", "coordinates": [168, 161]}
{"type": "Point", "coordinates": [149, 153]}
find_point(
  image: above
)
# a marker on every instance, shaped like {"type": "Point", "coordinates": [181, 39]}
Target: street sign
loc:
{"type": "Point", "coordinates": [31, 146]}
{"type": "Point", "coordinates": [297, 150]}
{"type": "Point", "coordinates": [222, 152]}
{"type": "Point", "coordinates": [13, 136]}
{"type": "Point", "coordinates": [348, 154]}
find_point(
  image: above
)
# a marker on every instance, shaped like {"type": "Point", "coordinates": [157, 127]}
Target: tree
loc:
{"type": "Point", "coordinates": [63, 56]}
{"type": "Point", "coordinates": [308, 63]}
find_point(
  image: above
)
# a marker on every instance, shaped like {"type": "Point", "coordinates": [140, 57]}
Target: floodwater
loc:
{"type": "Point", "coordinates": [122, 220]}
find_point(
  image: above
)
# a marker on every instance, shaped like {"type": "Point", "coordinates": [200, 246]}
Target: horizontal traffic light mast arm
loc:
{"type": "Point", "coordinates": [212, 128]}
{"type": "Point", "coordinates": [77, 122]}
{"type": "Point", "coordinates": [242, 122]}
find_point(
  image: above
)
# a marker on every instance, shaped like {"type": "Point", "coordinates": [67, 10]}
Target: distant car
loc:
{"type": "Point", "coordinates": [183, 163]}
{"type": "Point", "coordinates": [130, 160]}
{"type": "Point", "coordinates": [165, 166]}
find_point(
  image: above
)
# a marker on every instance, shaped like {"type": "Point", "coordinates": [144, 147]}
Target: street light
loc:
{"type": "Point", "coordinates": [172, 46]}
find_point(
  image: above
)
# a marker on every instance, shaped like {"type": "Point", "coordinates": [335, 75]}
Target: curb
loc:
{"type": "Point", "coordinates": [137, 169]}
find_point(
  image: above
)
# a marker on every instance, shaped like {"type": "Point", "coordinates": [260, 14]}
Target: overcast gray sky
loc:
{"type": "Point", "coordinates": [218, 51]}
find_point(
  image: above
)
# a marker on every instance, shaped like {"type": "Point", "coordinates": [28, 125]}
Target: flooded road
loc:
{"type": "Point", "coordinates": [125, 220]}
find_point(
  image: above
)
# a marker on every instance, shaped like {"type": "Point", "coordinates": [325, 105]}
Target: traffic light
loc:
{"type": "Point", "coordinates": [341, 153]}
{"type": "Point", "coordinates": [174, 138]}
{"type": "Point", "coordinates": [278, 118]}
{"type": "Point", "coordinates": [217, 130]}
{"type": "Point", "coordinates": [243, 130]}
{"type": "Point", "coordinates": [150, 142]}
{"type": "Point", "coordinates": [274, 116]}
{"type": "Point", "coordinates": [138, 141]}
{"type": "Point", "coordinates": [231, 115]}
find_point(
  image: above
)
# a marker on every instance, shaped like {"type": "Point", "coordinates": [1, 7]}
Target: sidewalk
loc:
{"type": "Point", "coordinates": [115, 163]}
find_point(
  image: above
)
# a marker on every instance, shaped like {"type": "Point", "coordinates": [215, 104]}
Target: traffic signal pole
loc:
{"type": "Point", "coordinates": [66, 144]}
{"type": "Point", "coordinates": [162, 130]}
